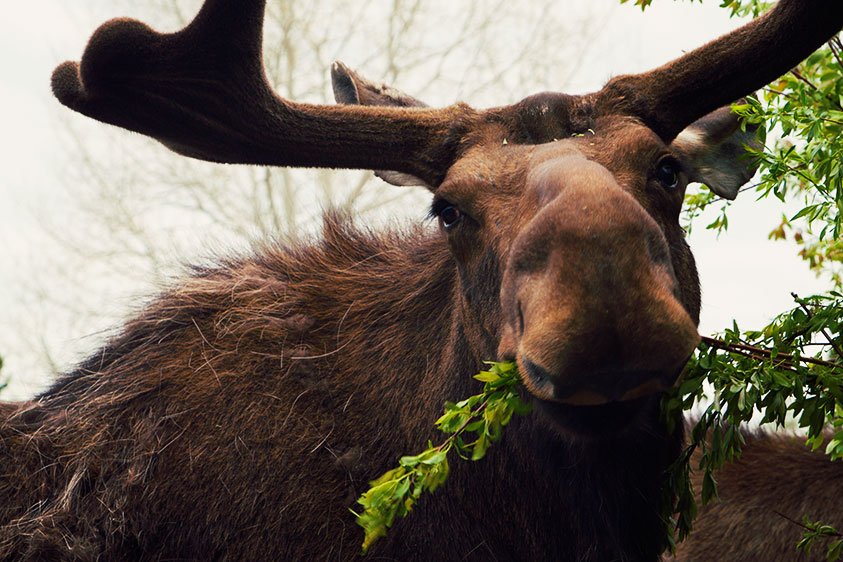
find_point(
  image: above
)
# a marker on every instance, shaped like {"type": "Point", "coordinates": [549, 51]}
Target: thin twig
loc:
{"type": "Point", "coordinates": [446, 444]}
{"type": "Point", "coordinates": [761, 353]}
{"type": "Point", "coordinates": [732, 348]}
{"type": "Point", "coordinates": [795, 522]}
{"type": "Point", "coordinates": [801, 78]}
{"type": "Point", "coordinates": [822, 330]}
{"type": "Point", "coordinates": [803, 526]}
{"type": "Point", "coordinates": [833, 44]}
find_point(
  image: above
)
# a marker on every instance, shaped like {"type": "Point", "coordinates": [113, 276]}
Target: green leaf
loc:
{"type": "Point", "coordinates": [480, 447]}
{"type": "Point", "coordinates": [395, 493]}
{"type": "Point", "coordinates": [835, 549]}
{"type": "Point", "coordinates": [709, 487]}
{"type": "Point", "coordinates": [487, 376]}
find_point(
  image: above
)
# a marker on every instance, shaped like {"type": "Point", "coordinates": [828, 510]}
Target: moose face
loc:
{"type": "Point", "coordinates": [570, 254]}
{"type": "Point", "coordinates": [599, 294]}
{"type": "Point", "coordinates": [595, 294]}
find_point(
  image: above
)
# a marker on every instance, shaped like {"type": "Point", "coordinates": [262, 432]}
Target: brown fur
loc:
{"type": "Point", "coordinates": [762, 498]}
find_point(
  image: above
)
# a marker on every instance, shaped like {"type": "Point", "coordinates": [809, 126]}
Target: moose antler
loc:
{"type": "Point", "coordinates": [672, 96]}
{"type": "Point", "coordinates": [202, 92]}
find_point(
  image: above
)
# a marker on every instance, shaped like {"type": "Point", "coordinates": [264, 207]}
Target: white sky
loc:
{"type": "Point", "coordinates": [743, 275]}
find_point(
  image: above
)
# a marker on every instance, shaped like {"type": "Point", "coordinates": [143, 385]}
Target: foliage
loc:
{"type": "Point", "coordinates": [804, 163]}
{"type": "Point", "coordinates": [791, 369]}
{"type": "Point", "coordinates": [471, 425]}
{"type": "Point", "coordinates": [790, 372]}
{"type": "Point", "coordinates": [3, 382]}
{"type": "Point", "coordinates": [814, 530]}
{"type": "Point", "coordinates": [737, 7]}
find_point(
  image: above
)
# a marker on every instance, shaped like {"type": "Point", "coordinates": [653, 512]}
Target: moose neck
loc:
{"type": "Point", "coordinates": [600, 498]}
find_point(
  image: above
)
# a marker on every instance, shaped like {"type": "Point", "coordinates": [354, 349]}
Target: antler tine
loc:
{"type": "Point", "coordinates": [203, 93]}
{"type": "Point", "coordinates": [672, 96]}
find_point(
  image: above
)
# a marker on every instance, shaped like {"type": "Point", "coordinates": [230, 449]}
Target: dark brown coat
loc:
{"type": "Point", "coordinates": [241, 414]}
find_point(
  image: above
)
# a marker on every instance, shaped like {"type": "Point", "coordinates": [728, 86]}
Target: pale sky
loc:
{"type": "Point", "coordinates": [744, 276]}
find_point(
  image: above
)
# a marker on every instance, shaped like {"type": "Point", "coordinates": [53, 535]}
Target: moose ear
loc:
{"type": "Point", "coordinates": [714, 148]}
{"type": "Point", "coordinates": [352, 89]}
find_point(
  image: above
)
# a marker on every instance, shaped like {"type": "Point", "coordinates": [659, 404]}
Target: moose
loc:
{"type": "Point", "coordinates": [240, 414]}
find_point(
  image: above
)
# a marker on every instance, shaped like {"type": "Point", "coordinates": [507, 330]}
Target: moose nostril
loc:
{"type": "Point", "coordinates": [520, 321]}
{"type": "Point", "coordinates": [537, 374]}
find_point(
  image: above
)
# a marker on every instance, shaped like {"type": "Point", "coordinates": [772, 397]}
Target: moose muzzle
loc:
{"type": "Point", "coordinates": [593, 308]}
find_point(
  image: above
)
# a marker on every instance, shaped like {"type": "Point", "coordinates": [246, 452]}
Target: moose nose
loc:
{"type": "Point", "coordinates": [596, 315]}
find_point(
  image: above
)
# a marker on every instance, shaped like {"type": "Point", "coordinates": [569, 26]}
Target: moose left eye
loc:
{"type": "Point", "coordinates": [450, 216]}
{"type": "Point", "coordinates": [667, 173]}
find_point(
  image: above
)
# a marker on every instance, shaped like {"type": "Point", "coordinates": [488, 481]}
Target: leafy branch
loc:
{"type": "Point", "coordinates": [471, 425]}
{"type": "Point", "coordinates": [790, 372]}
{"type": "Point", "coordinates": [816, 530]}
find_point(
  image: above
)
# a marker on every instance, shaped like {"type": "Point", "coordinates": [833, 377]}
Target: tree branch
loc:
{"type": "Point", "coordinates": [765, 354]}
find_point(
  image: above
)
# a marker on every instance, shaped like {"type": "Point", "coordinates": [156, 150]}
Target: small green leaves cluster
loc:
{"type": "Point", "coordinates": [471, 425]}
{"type": "Point", "coordinates": [790, 373]}
{"type": "Point", "coordinates": [803, 163]}
{"type": "Point", "coordinates": [396, 491]}
{"type": "Point", "coordinates": [802, 160]}
{"type": "Point", "coordinates": [642, 3]}
{"type": "Point", "coordinates": [744, 8]}
{"type": "Point", "coordinates": [815, 531]}
{"type": "Point", "coordinates": [696, 202]}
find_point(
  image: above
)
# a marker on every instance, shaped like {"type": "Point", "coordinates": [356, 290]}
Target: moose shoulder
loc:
{"type": "Point", "coordinates": [240, 414]}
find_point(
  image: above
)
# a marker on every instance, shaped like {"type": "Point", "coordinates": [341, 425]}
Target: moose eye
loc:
{"type": "Point", "coordinates": [448, 214]}
{"type": "Point", "coordinates": [667, 173]}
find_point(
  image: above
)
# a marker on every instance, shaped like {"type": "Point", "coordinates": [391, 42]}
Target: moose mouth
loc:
{"type": "Point", "coordinates": [612, 418]}
{"type": "Point", "coordinates": [599, 388]}
{"type": "Point", "coordinates": [605, 404]}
